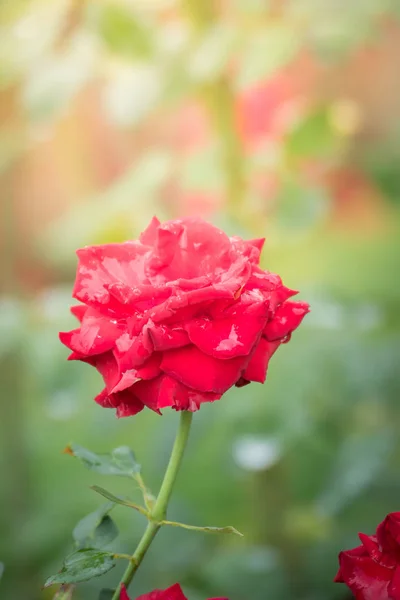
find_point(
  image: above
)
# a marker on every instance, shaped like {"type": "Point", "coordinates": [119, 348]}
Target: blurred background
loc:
{"type": "Point", "coordinates": [275, 118]}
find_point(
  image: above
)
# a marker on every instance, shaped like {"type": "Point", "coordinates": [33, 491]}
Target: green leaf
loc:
{"type": "Point", "coordinates": [227, 529]}
{"type": "Point", "coordinates": [106, 594]}
{"type": "Point", "coordinates": [314, 136]}
{"type": "Point", "coordinates": [213, 53]}
{"type": "Point", "coordinates": [265, 53]}
{"type": "Point", "coordinates": [123, 32]}
{"type": "Point", "coordinates": [64, 593]}
{"type": "Point", "coordinates": [96, 529]}
{"type": "Point", "coordinates": [1, 570]}
{"type": "Point", "coordinates": [105, 533]}
{"type": "Point", "coordinates": [82, 566]}
{"type": "Point", "coordinates": [117, 499]}
{"type": "Point", "coordinates": [126, 460]}
{"type": "Point", "coordinates": [121, 461]}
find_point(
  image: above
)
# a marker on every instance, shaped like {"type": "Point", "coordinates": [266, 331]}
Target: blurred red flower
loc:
{"type": "Point", "coordinates": [267, 110]}
{"type": "Point", "coordinates": [178, 317]}
{"type": "Point", "coordinates": [372, 570]}
{"type": "Point", "coordinates": [172, 593]}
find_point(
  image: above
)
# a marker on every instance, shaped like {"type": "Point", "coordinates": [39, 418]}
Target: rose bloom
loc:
{"type": "Point", "coordinates": [172, 593]}
{"type": "Point", "coordinates": [178, 317]}
{"type": "Point", "coordinates": [372, 570]}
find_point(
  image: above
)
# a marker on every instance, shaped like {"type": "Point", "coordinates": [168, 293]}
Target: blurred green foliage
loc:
{"type": "Point", "coordinates": [300, 464]}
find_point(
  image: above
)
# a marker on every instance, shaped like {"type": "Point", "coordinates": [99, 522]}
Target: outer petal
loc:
{"type": "Point", "coordinates": [148, 370]}
{"type": "Point", "coordinates": [251, 249]}
{"type": "Point", "coordinates": [166, 391]}
{"type": "Point", "coordinates": [202, 372]}
{"type": "Point", "coordinates": [79, 311]}
{"type": "Point", "coordinates": [108, 368]}
{"type": "Point", "coordinates": [365, 578]}
{"type": "Point", "coordinates": [258, 365]}
{"type": "Point", "coordinates": [388, 533]}
{"type": "Point", "coordinates": [128, 404]}
{"type": "Point", "coordinates": [132, 352]}
{"type": "Point", "coordinates": [166, 250]}
{"type": "Point", "coordinates": [271, 285]}
{"type": "Point", "coordinates": [286, 319]}
{"type": "Point", "coordinates": [125, 402]}
{"type": "Point", "coordinates": [95, 336]}
{"type": "Point", "coordinates": [101, 266]}
{"type": "Point", "coordinates": [188, 248]}
{"type": "Point", "coordinates": [149, 235]}
{"type": "Point", "coordinates": [172, 593]}
{"type": "Point", "coordinates": [123, 594]}
{"type": "Point", "coordinates": [394, 586]}
{"type": "Point", "coordinates": [371, 545]}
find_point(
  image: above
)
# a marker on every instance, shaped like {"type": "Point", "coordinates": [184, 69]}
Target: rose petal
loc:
{"type": "Point", "coordinates": [365, 578]}
{"type": "Point", "coordinates": [187, 248]}
{"type": "Point", "coordinates": [166, 391]}
{"type": "Point", "coordinates": [95, 336]}
{"type": "Point", "coordinates": [149, 235]}
{"type": "Point", "coordinates": [79, 311]}
{"type": "Point", "coordinates": [125, 402]}
{"type": "Point", "coordinates": [128, 404]}
{"type": "Point", "coordinates": [371, 546]}
{"type": "Point", "coordinates": [370, 543]}
{"type": "Point", "coordinates": [105, 400]}
{"type": "Point", "coordinates": [128, 378]}
{"type": "Point", "coordinates": [181, 307]}
{"type": "Point", "coordinates": [230, 337]}
{"type": "Point", "coordinates": [108, 368]}
{"type": "Point", "coordinates": [388, 533]}
{"type": "Point", "coordinates": [101, 266]}
{"type": "Point", "coordinates": [150, 368]}
{"type": "Point", "coordinates": [123, 594]}
{"type": "Point", "coordinates": [172, 593]}
{"type": "Point", "coordinates": [258, 365]}
{"type": "Point", "coordinates": [202, 372]}
{"type": "Point", "coordinates": [132, 352]}
{"type": "Point", "coordinates": [141, 297]}
{"type": "Point", "coordinates": [286, 319]}
{"type": "Point", "coordinates": [166, 248]}
{"type": "Point", "coordinates": [166, 338]}
{"type": "Point", "coordinates": [394, 586]}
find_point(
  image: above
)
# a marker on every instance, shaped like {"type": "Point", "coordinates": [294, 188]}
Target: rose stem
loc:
{"type": "Point", "coordinates": [159, 511]}
{"type": "Point", "coordinates": [218, 98]}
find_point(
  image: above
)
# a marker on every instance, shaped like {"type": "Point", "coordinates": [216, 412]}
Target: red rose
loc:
{"type": "Point", "coordinates": [372, 570]}
{"type": "Point", "coordinates": [172, 593]}
{"type": "Point", "coordinates": [178, 317]}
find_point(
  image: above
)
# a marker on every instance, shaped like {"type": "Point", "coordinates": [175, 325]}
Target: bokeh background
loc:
{"type": "Point", "coordinates": [275, 118]}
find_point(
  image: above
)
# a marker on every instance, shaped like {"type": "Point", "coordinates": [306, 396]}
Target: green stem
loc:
{"type": "Point", "coordinates": [219, 99]}
{"type": "Point", "coordinates": [159, 511]}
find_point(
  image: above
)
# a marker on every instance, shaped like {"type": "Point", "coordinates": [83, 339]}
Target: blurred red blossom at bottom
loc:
{"type": "Point", "coordinates": [172, 593]}
{"type": "Point", "coordinates": [372, 570]}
